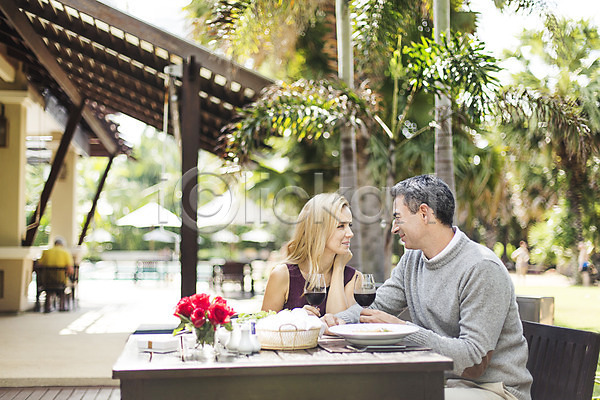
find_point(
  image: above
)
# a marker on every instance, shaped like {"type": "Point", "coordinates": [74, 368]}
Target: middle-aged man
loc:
{"type": "Point", "coordinates": [458, 293]}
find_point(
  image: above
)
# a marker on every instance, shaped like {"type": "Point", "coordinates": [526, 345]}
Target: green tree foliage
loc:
{"type": "Point", "coordinates": [153, 175]}
{"type": "Point", "coordinates": [552, 125]}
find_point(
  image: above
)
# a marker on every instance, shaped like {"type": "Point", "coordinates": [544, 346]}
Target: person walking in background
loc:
{"type": "Point", "coordinates": [583, 261]}
{"type": "Point", "coordinates": [521, 258]}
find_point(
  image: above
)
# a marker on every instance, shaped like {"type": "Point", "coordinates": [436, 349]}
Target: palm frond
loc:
{"type": "Point", "coordinates": [305, 110]}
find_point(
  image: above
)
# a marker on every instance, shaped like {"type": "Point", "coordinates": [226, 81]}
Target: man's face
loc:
{"type": "Point", "coordinates": [410, 227]}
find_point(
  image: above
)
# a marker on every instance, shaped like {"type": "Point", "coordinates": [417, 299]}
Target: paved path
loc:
{"type": "Point", "coordinates": [548, 278]}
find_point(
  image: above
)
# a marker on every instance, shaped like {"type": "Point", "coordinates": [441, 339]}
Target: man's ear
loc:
{"type": "Point", "coordinates": [424, 212]}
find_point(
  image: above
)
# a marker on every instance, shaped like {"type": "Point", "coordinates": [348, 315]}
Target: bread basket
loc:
{"type": "Point", "coordinates": [288, 339]}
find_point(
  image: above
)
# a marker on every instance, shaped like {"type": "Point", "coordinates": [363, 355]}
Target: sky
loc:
{"type": "Point", "coordinates": [498, 30]}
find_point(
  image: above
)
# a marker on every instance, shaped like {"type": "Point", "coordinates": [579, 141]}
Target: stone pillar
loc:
{"type": "Point", "coordinates": [16, 262]}
{"type": "Point", "coordinates": [12, 170]}
{"type": "Point", "coordinates": [64, 202]}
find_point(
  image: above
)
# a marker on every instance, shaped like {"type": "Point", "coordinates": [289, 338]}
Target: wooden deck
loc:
{"type": "Point", "coordinates": [61, 393]}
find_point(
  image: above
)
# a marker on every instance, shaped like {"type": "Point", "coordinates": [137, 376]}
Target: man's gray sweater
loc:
{"type": "Point", "coordinates": [465, 305]}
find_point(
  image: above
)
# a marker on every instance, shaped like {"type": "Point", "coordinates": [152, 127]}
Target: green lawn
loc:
{"type": "Point", "coordinates": [574, 307]}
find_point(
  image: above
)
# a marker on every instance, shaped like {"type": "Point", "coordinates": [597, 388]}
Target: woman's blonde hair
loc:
{"type": "Point", "coordinates": [316, 222]}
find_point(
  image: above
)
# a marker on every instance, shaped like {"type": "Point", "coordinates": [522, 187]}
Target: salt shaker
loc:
{"type": "Point", "coordinates": [234, 338]}
{"type": "Point", "coordinates": [245, 346]}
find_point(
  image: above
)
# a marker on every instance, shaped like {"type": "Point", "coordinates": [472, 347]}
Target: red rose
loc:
{"type": "Point", "coordinates": [219, 312]}
{"type": "Point", "coordinates": [201, 301]}
{"type": "Point", "coordinates": [184, 307]}
{"type": "Point", "coordinates": [198, 317]}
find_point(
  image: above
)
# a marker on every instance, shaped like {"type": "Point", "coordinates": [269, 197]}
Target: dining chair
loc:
{"type": "Point", "coordinates": [562, 361]}
{"type": "Point", "coordinates": [50, 280]}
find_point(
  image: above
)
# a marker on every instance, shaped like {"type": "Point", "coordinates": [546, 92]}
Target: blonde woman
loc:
{"type": "Point", "coordinates": [320, 244]}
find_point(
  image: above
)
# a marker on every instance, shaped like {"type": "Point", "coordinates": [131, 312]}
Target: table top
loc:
{"type": "Point", "coordinates": [135, 364]}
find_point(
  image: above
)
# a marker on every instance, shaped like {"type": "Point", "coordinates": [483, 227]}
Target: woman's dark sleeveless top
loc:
{"type": "Point", "coordinates": [296, 288]}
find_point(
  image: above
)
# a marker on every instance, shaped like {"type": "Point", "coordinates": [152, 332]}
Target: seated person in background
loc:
{"type": "Point", "coordinates": [458, 293]}
{"type": "Point", "coordinates": [320, 244]}
{"type": "Point", "coordinates": [58, 256]}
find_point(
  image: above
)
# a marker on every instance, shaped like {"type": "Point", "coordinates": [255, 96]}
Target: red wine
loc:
{"type": "Point", "coordinates": [364, 300]}
{"type": "Point", "coordinates": [314, 299]}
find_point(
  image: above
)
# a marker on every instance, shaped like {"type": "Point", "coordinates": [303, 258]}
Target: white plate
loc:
{"type": "Point", "coordinates": [373, 334]}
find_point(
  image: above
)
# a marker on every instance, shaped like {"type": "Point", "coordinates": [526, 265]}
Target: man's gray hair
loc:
{"type": "Point", "coordinates": [60, 241]}
{"type": "Point", "coordinates": [430, 190]}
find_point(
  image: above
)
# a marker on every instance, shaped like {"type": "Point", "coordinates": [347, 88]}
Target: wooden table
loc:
{"type": "Point", "coordinates": [289, 375]}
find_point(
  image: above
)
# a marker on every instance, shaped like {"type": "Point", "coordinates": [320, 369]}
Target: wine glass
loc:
{"type": "Point", "coordinates": [315, 289]}
{"type": "Point", "coordinates": [364, 289]}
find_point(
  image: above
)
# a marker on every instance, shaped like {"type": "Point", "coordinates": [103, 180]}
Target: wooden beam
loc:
{"type": "Point", "coordinates": [61, 116]}
{"type": "Point", "coordinates": [21, 24]}
{"type": "Point", "coordinates": [174, 44]}
{"type": "Point", "coordinates": [57, 163]}
{"type": "Point", "coordinates": [7, 71]}
{"type": "Point", "coordinates": [190, 145]}
{"type": "Point", "coordinates": [90, 215]}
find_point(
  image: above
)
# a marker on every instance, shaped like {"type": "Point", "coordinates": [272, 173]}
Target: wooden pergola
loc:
{"type": "Point", "coordinates": [88, 61]}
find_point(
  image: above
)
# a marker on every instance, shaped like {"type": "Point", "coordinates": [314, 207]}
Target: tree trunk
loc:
{"type": "Point", "coordinates": [329, 38]}
{"type": "Point", "coordinates": [576, 181]}
{"type": "Point", "coordinates": [373, 207]}
{"type": "Point", "coordinates": [348, 172]}
{"type": "Point", "coordinates": [444, 161]}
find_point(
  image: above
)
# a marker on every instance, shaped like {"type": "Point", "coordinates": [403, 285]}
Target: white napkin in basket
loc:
{"type": "Point", "coordinates": [286, 320]}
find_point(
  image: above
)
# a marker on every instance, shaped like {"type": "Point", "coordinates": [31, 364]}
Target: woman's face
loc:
{"type": "Point", "coordinates": [339, 241]}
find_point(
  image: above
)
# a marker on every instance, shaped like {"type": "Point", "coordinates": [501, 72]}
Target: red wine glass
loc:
{"type": "Point", "coordinates": [364, 289]}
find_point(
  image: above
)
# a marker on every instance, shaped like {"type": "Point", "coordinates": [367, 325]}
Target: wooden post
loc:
{"type": "Point", "coordinates": [34, 220]}
{"type": "Point", "coordinates": [90, 215]}
{"type": "Point", "coordinates": [190, 145]}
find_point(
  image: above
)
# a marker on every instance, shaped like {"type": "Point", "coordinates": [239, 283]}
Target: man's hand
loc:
{"type": "Point", "coordinates": [370, 316]}
{"type": "Point", "coordinates": [477, 370]}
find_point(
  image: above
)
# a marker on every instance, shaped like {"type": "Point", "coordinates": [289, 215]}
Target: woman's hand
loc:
{"type": "Point", "coordinates": [331, 320]}
{"type": "Point", "coordinates": [312, 310]}
{"type": "Point", "coordinates": [370, 316]}
{"type": "Point", "coordinates": [341, 260]}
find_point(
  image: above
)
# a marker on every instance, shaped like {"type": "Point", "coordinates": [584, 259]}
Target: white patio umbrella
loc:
{"type": "Point", "coordinates": [258, 235]}
{"type": "Point", "coordinates": [161, 235]}
{"type": "Point", "coordinates": [100, 235]}
{"type": "Point", "coordinates": [225, 236]}
{"type": "Point", "coordinates": [148, 216]}
{"type": "Point", "coordinates": [229, 209]}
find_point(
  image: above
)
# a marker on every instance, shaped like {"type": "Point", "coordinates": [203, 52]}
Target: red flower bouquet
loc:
{"type": "Point", "coordinates": [203, 315]}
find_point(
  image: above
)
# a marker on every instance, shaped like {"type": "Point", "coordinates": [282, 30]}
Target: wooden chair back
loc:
{"type": "Point", "coordinates": [51, 278]}
{"type": "Point", "coordinates": [562, 361]}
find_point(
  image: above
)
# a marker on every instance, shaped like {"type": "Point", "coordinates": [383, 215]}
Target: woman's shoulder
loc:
{"type": "Point", "coordinates": [279, 274]}
{"type": "Point", "coordinates": [280, 269]}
